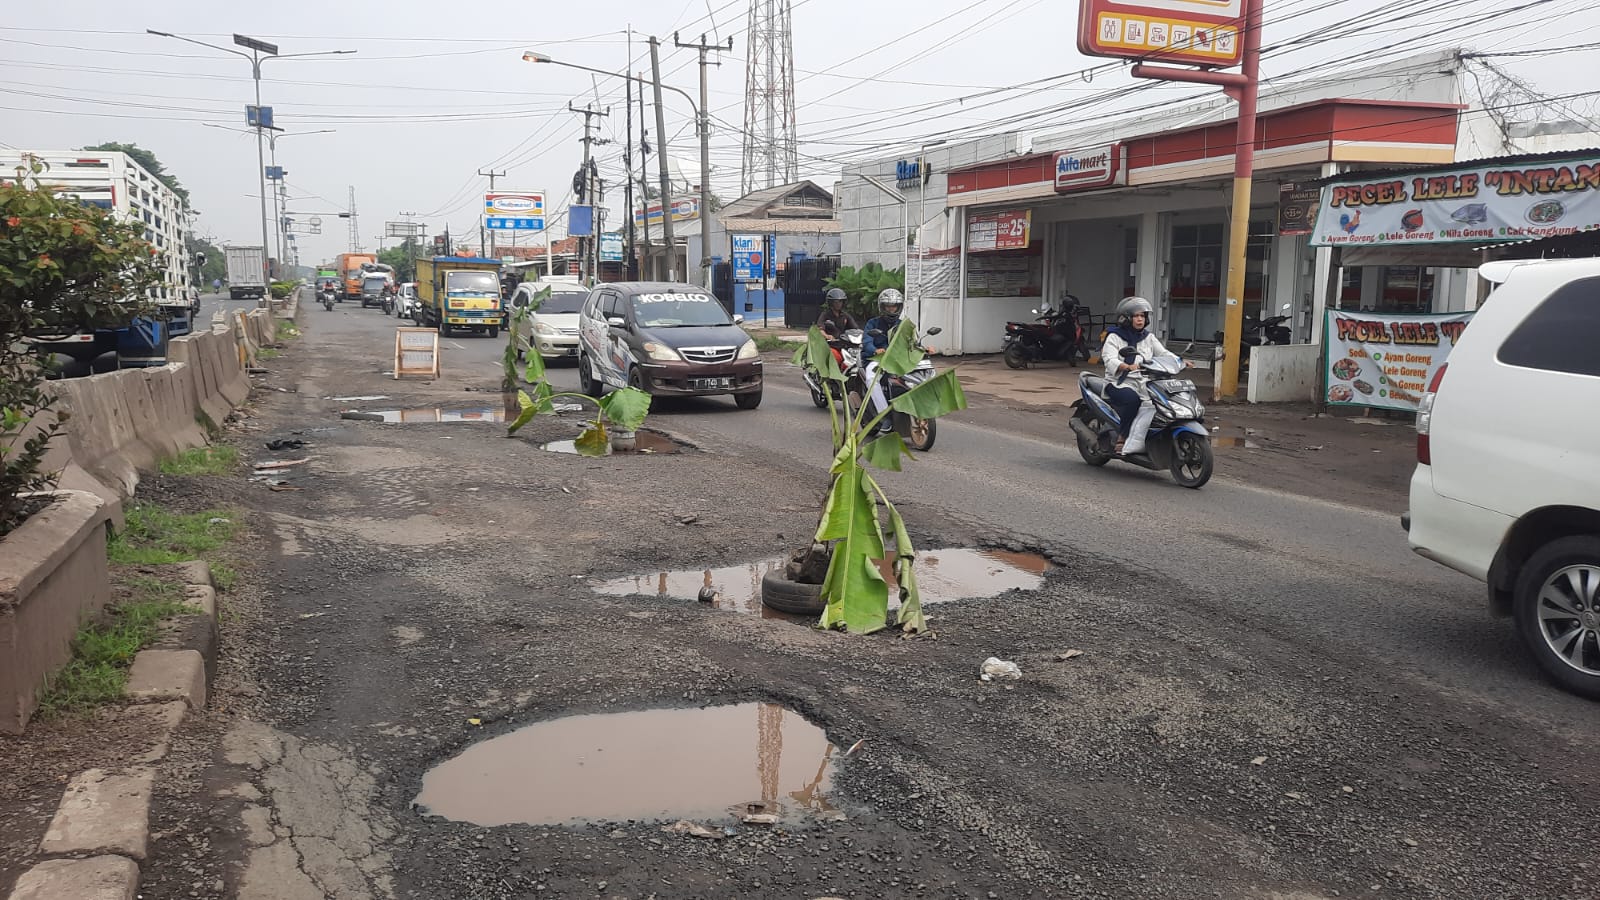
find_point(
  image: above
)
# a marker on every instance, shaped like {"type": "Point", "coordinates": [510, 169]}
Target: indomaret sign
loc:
{"type": "Point", "coordinates": [1195, 32]}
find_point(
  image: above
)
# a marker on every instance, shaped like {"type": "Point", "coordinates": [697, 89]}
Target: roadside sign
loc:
{"type": "Point", "coordinates": [1008, 230]}
{"type": "Point", "coordinates": [1196, 32]}
{"type": "Point", "coordinates": [611, 247]}
{"type": "Point", "coordinates": [416, 352]}
{"type": "Point", "coordinates": [514, 211]}
{"type": "Point", "coordinates": [747, 257]}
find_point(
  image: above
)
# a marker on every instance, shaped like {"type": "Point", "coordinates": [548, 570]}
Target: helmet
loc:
{"type": "Point", "coordinates": [1132, 305]}
{"type": "Point", "coordinates": [890, 302]}
{"type": "Point", "coordinates": [835, 295]}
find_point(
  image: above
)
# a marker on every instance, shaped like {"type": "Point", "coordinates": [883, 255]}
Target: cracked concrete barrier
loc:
{"type": "Point", "coordinates": [103, 812]}
{"type": "Point", "coordinates": [100, 430]}
{"type": "Point", "coordinates": [206, 392]}
{"type": "Point", "coordinates": [96, 878]}
{"type": "Point", "coordinates": [168, 675]}
{"type": "Point", "coordinates": [231, 378]}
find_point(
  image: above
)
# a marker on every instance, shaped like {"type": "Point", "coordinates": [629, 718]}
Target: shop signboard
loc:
{"type": "Point", "coordinates": [1484, 203]}
{"type": "Point", "coordinates": [514, 211]}
{"type": "Point", "coordinates": [1007, 230]}
{"type": "Point", "coordinates": [1386, 361]}
{"type": "Point", "coordinates": [1297, 208]}
{"type": "Point", "coordinates": [684, 209]}
{"type": "Point", "coordinates": [748, 257]}
{"type": "Point", "coordinates": [611, 247]}
{"type": "Point", "coordinates": [1097, 167]}
{"type": "Point", "coordinates": [1195, 32]}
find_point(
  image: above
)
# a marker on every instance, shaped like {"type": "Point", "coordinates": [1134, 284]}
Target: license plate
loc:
{"type": "Point", "coordinates": [710, 384]}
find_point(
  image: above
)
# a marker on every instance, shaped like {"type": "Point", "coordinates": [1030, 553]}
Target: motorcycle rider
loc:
{"type": "Point", "coordinates": [1127, 392]}
{"type": "Point", "coordinates": [833, 311]}
{"type": "Point", "coordinates": [890, 304]}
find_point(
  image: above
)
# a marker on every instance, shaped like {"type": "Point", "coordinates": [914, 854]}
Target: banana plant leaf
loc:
{"type": "Point", "coordinates": [594, 440]}
{"type": "Point", "coordinates": [910, 619]}
{"type": "Point", "coordinates": [884, 451]}
{"type": "Point", "coordinates": [902, 354]}
{"type": "Point", "coordinates": [626, 408]}
{"type": "Point", "coordinates": [821, 355]}
{"type": "Point", "coordinates": [854, 589]}
{"type": "Point", "coordinates": [935, 397]}
{"type": "Point", "coordinates": [527, 408]}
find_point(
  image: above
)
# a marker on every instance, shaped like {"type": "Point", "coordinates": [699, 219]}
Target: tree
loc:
{"type": "Point", "coordinates": [216, 265]}
{"type": "Point", "coordinates": [402, 258]}
{"type": "Point", "coordinates": [147, 159]}
{"type": "Point", "coordinates": [64, 267]}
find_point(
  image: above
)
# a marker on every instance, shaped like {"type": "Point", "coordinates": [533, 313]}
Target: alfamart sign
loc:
{"type": "Point", "coordinates": [1483, 204]}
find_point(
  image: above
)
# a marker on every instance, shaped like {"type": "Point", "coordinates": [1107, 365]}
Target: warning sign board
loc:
{"type": "Point", "coordinates": [416, 352]}
{"type": "Point", "coordinates": [1197, 32]}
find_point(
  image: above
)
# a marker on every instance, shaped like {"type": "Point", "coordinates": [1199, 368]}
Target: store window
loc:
{"type": "Point", "coordinates": [1195, 282]}
{"type": "Point", "coordinates": [1406, 289]}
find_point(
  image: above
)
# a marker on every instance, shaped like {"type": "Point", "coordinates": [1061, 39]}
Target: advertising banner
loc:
{"type": "Point", "coordinates": [1386, 361]}
{"type": "Point", "coordinates": [1008, 230]}
{"type": "Point", "coordinates": [1198, 32]}
{"type": "Point", "coordinates": [514, 211]}
{"type": "Point", "coordinates": [611, 246]}
{"type": "Point", "coordinates": [1297, 208]}
{"type": "Point", "coordinates": [1480, 204]}
{"type": "Point", "coordinates": [684, 209]}
{"type": "Point", "coordinates": [748, 257]}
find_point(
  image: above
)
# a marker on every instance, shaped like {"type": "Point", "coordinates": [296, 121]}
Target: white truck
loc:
{"type": "Point", "coordinates": [247, 272]}
{"type": "Point", "coordinates": [114, 181]}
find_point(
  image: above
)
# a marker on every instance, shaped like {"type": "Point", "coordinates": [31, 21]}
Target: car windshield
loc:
{"type": "Point", "coordinates": [564, 302]}
{"type": "Point", "coordinates": [373, 284]}
{"type": "Point", "coordinates": [472, 282]}
{"type": "Point", "coordinates": [674, 310]}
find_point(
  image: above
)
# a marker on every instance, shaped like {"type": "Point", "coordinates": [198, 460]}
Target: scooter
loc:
{"type": "Point", "coordinates": [1176, 442]}
{"type": "Point", "coordinates": [388, 303]}
{"type": "Point", "coordinates": [846, 349]}
{"type": "Point", "coordinates": [1054, 335]}
{"type": "Point", "coordinates": [327, 300]}
{"type": "Point", "coordinates": [918, 433]}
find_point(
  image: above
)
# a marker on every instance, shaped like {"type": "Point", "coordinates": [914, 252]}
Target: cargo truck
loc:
{"type": "Point", "coordinates": [247, 271]}
{"type": "Point", "coordinates": [351, 272]}
{"type": "Point", "coordinates": [115, 182]}
{"type": "Point", "coordinates": [460, 292]}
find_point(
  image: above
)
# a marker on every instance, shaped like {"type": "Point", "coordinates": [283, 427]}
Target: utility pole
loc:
{"type": "Point", "coordinates": [703, 125]}
{"type": "Point", "coordinates": [661, 158]}
{"type": "Point", "coordinates": [586, 176]}
{"type": "Point", "coordinates": [492, 175]}
{"type": "Point", "coordinates": [631, 269]}
{"type": "Point", "coordinates": [649, 273]}
{"type": "Point", "coordinates": [355, 232]}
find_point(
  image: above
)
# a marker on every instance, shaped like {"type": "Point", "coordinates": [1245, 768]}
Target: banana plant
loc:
{"type": "Point", "coordinates": [852, 516]}
{"type": "Point", "coordinates": [623, 409]}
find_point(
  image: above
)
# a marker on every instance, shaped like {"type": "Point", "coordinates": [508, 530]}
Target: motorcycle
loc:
{"type": "Point", "coordinates": [1176, 442]}
{"type": "Point", "coordinates": [388, 303]}
{"type": "Point", "coordinates": [918, 433]}
{"type": "Point", "coordinates": [328, 300]}
{"type": "Point", "coordinates": [846, 349]}
{"type": "Point", "coordinates": [1055, 335]}
{"type": "Point", "coordinates": [1259, 332]}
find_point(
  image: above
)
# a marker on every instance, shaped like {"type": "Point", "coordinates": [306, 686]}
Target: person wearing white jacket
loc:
{"type": "Point", "coordinates": [1127, 393]}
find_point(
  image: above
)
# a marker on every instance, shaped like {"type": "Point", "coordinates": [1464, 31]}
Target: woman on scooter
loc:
{"type": "Point", "coordinates": [1127, 393]}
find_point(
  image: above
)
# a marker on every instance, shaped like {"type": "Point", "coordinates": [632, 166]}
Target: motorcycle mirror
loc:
{"type": "Point", "coordinates": [1034, 311]}
{"type": "Point", "coordinates": [1128, 353]}
{"type": "Point", "coordinates": [1286, 307]}
{"type": "Point", "coordinates": [830, 328]}
{"type": "Point", "coordinates": [933, 331]}
{"type": "Point", "coordinates": [877, 334]}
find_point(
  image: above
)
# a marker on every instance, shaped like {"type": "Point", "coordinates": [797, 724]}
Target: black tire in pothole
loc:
{"type": "Point", "coordinates": [783, 595]}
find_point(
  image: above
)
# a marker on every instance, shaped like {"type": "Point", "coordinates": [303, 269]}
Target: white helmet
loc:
{"type": "Point", "coordinates": [889, 297]}
{"type": "Point", "coordinates": [1132, 305]}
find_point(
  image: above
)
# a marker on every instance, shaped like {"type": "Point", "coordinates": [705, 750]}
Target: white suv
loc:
{"type": "Point", "coordinates": [1507, 487]}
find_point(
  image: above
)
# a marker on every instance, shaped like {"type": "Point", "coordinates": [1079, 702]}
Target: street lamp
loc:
{"type": "Point", "coordinates": [703, 126]}
{"type": "Point", "coordinates": [278, 198]}
{"type": "Point", "coordinates": [260, 51]}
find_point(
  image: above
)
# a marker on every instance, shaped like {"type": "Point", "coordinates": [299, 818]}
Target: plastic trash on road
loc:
{"type": "Point", "coordinates": [995, 667]}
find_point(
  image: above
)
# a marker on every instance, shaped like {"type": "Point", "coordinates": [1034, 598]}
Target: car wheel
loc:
{"type": "Point", "coordinates": [1557, 608]}
{"type": "Point", "coordinates": [783, 595]}
{"type": "Point", "coordinates": [638, 380]}
{"type": "Point", "coordinates": [587, 383]}
{"type": "Point", "coordinates": [747, 401]}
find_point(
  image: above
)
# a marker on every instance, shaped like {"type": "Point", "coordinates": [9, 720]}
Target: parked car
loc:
{"type": "Point", "coordinates": [668, 340]}
{"type": "Point", "coordinates": [1507, 485]}
{"type": "Point", "coordinates": [553, 327]}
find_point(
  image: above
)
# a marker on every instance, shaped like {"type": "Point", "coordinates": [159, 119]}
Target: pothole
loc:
{"type": "Point", "coordinates": [1235, 442]}
{"type": "Point", "coordinates": [943, 575]}
{"type": "Point", "coordinates": [426, 415]}
{"type": "Point", "coordinates": [716, 763]}
{"type": "Point", "coordinates": [644, 442]}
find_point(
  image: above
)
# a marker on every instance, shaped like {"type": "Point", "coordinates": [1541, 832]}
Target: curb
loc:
{"type": "Point", "coordinates": [101, 830]}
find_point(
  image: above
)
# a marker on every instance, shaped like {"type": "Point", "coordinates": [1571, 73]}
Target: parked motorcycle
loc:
{"type": "Point", "coordinates": [1177, 441]}
{"type": "Point", "coordinates": [846, 349]}
{"type": "Point", "coordinates": [918, 433]}
{"type": "Point", "coordinates": [1055, 335]}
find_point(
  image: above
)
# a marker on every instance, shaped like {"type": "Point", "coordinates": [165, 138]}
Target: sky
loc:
{"type": "Point", "coordinates": [432, 96]}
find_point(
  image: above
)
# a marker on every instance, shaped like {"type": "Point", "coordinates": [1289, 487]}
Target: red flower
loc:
{"type": "Point", "coordinates": [13, 221]}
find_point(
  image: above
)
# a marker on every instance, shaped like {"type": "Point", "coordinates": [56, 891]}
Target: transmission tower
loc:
{"type": "Point", "coordinates": [770, 148]}
{"type": "Point", "coordinates": [355, 230]}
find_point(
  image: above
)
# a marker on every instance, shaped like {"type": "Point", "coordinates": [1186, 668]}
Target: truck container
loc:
{"type": "Point", "coordinates": [350, 271]}
{"type": "Point", "coordinates": [115, 182]}
{"type": "Point", "coordinates": [460, 292]}
{"type": "Point", "coordinates": [247, 272]}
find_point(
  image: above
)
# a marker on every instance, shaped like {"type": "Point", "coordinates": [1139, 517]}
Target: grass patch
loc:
{"type": "Point", "coordinates": [268, 353]}
{"type": "Point", "coordinates": [774, 342]}
{"type": "Point", "coordinates": [102, 651]}
{"type": "Point", "coordinates": [224, 575]}
{"type": "Point", "coordinates": [201, 461]}
{"type": "Point", "coordinates": [155, 536]}
{"type": "Point", "coordinates": [286, 330]}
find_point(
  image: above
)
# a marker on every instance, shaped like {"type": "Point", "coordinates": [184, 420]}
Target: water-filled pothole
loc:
{"type": "Point", "coordinates": [425, 415]}
{"type": "Point", "coordinates": [658, 765]}
{"type": "Point", "coordinates": [644, 442]}
{"type": "Point", "coordinates": [953, 573]}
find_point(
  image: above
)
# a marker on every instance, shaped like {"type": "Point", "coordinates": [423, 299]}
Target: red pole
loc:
{"type": "Point", "coordinates": [1244, 162]}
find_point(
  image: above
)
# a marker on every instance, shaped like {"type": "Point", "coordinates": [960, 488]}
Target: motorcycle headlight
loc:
{"type": "Point", "coordinates": [660, 352]}
{"type": "Point", "coordinates": [749, 350]}
{"type": "Point", "coordinates": [1199, 410]}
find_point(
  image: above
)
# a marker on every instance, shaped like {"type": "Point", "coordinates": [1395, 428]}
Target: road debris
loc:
{"type": "Point", "coordinates": [273, 464]}
{"type": "Point", "coordinates": [1260, 760]}
{"type": "Point", "coordinates": [1070, 654]}
{"type": "Point", "coordinates": [854, 747]}
{"type": "Point", "coordinates": [995, 667]}
{"type": "Point", "coordinates": [285, 444]}
{"type": "Point", "coordinates": [684, 826]}
{"type": "Point", "coordinates": [760, 819]}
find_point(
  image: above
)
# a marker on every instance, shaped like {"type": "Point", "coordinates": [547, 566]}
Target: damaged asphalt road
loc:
{"type": "Point", "coordinates": [1273, 699]}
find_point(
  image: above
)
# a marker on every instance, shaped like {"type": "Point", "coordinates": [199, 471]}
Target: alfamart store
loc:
{"type": "Point", "coordinates": [1147, 215]}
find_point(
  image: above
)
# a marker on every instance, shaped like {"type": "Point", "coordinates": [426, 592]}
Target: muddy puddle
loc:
{"type": "Point", "coordinates": [957, 573]}
{"type": "Point", "coordinates": [425, 415]}
{"type": "Point", "coordinates": [710, 765]}
{"type": "Point", "coordinates": [643, 442]}
{"type": "Point", "coordinates": [1235, 442]}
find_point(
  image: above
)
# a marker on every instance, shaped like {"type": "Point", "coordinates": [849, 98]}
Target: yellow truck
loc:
{"type": "Point", "coordinates": [460, 292]}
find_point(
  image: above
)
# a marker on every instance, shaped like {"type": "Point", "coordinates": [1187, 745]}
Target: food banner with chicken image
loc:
{"type": "Point", "coordinates": [1488, 202]}
{"type": "Point", "coordinates": [1386, 361]}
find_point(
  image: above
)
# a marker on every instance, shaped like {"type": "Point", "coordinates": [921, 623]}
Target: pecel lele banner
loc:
{"type": "Point", "coordinates": [1386, 361]}
{"type": "Point", "coordinates": [1482, 204]}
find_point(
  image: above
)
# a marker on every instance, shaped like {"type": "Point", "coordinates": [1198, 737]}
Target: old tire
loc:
{"type": "Point", "coordinates": [747, 401]}
{"type": "Point", "coordinates": [1554, 605]}
{"type": "Point", "coordinates": [783, 595]}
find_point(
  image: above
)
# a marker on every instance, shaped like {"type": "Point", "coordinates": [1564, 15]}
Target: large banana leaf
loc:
{"type": "Point", "coordinates": [593, 440]}
{"type": "Point", "coordinates": [935, 397]}
{"type": "Point", "coordinates": [884, 451]}
{"type": "Point", "coordinates": [626, 408]}
{"type": "Point", "coordinates": [910, 620]}
{"type": "Point", "coordinates": [821, 355]}
{"type": "Point", "coordinates": [902, 354]}
{"type": "Point", "coordinates": [854, 589]}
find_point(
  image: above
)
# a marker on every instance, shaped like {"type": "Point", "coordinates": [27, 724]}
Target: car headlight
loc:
{"type": "Point", "coordinates": [545, 328]}
{"type": "Point", "coordinates": [749, 350]}
{"type": "Point", "coordinates": [660, 352]}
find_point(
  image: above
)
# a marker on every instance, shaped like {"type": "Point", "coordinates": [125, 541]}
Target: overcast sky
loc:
{"type": "Point", "coordinates": [436, 92]}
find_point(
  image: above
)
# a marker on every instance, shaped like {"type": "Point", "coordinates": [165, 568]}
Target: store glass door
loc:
{"type": "Point", "coordinates": [1195, 282]}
